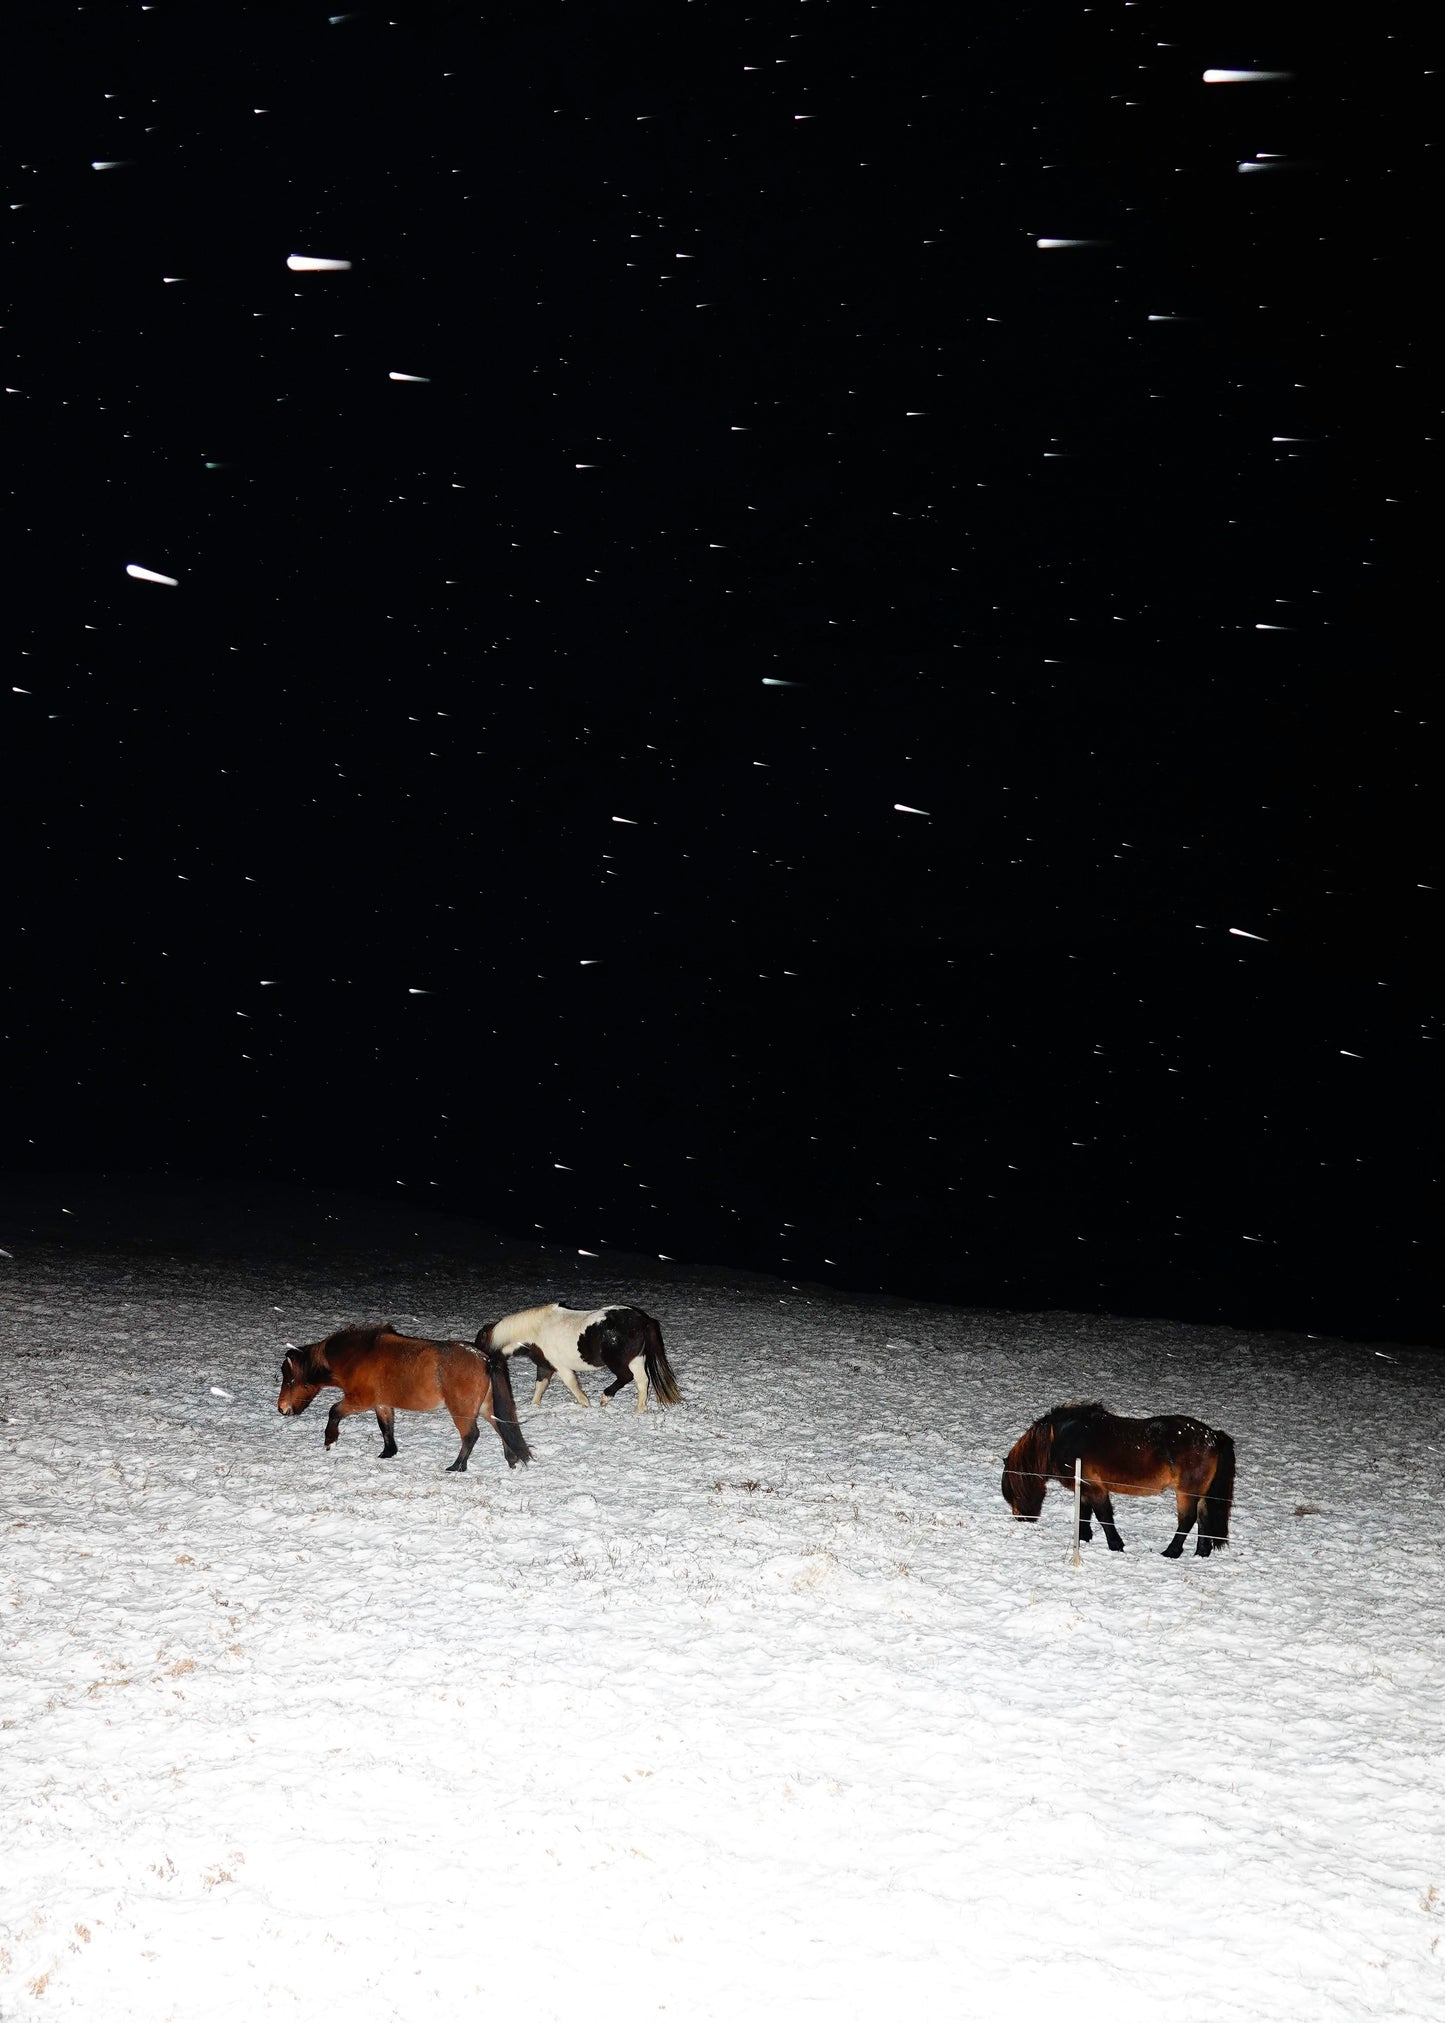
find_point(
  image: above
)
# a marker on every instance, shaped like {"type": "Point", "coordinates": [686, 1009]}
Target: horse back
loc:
{"type": "Point", "coordinates": [383, 1368]}
{"type": "Point", "coordinates": [1139, 1457]}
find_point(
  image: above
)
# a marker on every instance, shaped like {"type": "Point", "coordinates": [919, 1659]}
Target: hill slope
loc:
{"type": "Point", "coordinates": [760, 1703]}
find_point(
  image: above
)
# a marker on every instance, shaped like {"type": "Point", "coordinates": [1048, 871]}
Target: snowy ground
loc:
{"type": "Point", "coordinates": [761, 1706]}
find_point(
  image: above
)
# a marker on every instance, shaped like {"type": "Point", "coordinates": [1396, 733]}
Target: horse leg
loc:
{"type": "Point", "coordinates": [467, 1426]}
{"type": "Point", "coordinates": [1104, 1511]}
{"type": "Point", "coordinates": [386, 1419]}
{"type": "Point", "coordinates": [1187, 1504]}
{"type": "Point", "coordinates": [1086, 1529]}
{"type": "Point", "coordinates": [569, 1378]}
{"type": "Point", "coordinates": [1204, 1543]}
{"type": "Point", "coordinates": [339, 1411]}
{"type": "Point", "coordinates": [639, 1377]}
{"type": "Point", "coordinates": [545, 1372]}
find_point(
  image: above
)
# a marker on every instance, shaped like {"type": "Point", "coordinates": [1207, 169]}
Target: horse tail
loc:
{"type": "Point", "coordinates": [1218, 1499]}
{"type": "Point", "coordinates": [659, 1369]}
{"type": "Point", "coordinates": [504, 1409]}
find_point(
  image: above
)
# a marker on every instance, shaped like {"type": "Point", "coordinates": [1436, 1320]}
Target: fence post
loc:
{"type": "Point", "coordinates": [1078, 1501]}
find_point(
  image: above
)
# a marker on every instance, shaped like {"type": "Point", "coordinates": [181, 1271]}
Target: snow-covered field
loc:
{"type": "Point", "coordinates": [761, 1706]}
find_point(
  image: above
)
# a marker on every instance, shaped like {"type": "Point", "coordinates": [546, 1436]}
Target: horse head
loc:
{"type": "Point", "coordinates": [1025, 1471]}
{"type": "Point", "coordinates": [303, 1373]}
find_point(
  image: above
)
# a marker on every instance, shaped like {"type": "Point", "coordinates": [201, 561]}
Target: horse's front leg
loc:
{"type": "Point", "coordinates": [569, 1378]}
{"type": "Point", "coordinates": [386, 1419]}
{"type": "Point", "coordinates": [1104, 1511]}
{"type": "Point", "coordinates": [339, 1411]}
{"type": "Point", "coordinates": [545, 1372]}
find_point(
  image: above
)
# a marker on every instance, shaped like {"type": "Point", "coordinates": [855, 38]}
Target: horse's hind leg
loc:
{"type": "Point", "coordinates": [386, 1419]}
{"type": "Point", "coordinates": [469, 1441]}
{"type": "Point", "coordinates": [1086, 1528]}
{"type": "Point", "coordinates": [1204, 1543]}
{"type": "Point", "coordinates": [621, 1375]}
{"type": "Point", "coordinates": [1104, 1511]}
{"type": "Point", "coordinates": [1187, 1504]}
{"type": "Point", "coordinates": [639, 1377]}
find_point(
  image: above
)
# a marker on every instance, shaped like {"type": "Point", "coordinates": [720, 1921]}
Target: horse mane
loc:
{"type": "Point", "coordinates": [361, 1336]}
{"type": "Point", "coordinates": [1077, 1408]}
{"type": "Point", "coordinates": [1032, 1452]}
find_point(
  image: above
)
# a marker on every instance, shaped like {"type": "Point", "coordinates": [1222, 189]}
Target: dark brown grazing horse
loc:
{"type": "Point", "coordinates": [378, 1370]}
{"type": "Point", "coordinates": [1138, 1457]}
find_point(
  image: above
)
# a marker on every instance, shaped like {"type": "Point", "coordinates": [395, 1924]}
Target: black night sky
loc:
{"type": "Point", "coordinates": [719, 697]}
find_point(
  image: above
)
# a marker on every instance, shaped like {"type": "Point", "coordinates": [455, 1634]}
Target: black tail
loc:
{"type": "Point", "coordinates": [504, 1409]}
{"type": "Point", "coordinates": [1218, 1500]}
{"type": "Point", "coordinates": [659, 1369]}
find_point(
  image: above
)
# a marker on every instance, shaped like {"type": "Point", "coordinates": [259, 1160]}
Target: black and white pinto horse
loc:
{"type": "Point", "coordinates": [561, 1341]}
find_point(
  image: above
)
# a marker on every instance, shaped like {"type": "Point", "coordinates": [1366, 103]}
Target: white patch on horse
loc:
{"type": "Point", "coordinates": [557, 1332]}
{"type": "Point", "coordinates": [620, 1340]}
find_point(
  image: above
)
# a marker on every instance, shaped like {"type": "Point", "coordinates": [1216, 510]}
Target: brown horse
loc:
{"type": "Point", "coordinates": [378, 1370]}
{"type": "Point", "coordinates": [1138, 1457]}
